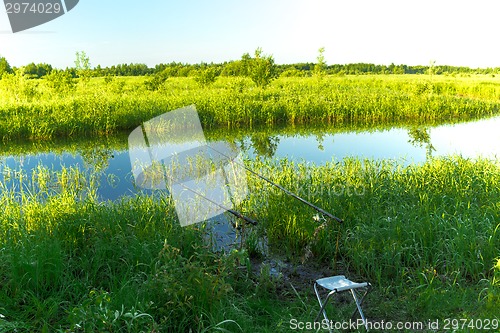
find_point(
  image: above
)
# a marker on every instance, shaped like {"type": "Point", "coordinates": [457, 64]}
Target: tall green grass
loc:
{"type": "Point", "coordinates": [72, 264]}
{"type": "Point", "coordinates": [400, 221]}
{"type": "Point", "coordinates": [427, 236]}
{"type": "Point", "coordinates": [35, 110]}
{"type": "Point", "coordinates": [427, 232]}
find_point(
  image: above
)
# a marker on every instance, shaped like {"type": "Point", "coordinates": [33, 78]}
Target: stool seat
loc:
{"type": "Point", "coordinates": [337, 284]}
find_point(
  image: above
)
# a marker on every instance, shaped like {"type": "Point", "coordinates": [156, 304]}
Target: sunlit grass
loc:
{"type": "Point", "coordinates": [426, 236]}
{"type": "Point", "coordinates": [98, 107]}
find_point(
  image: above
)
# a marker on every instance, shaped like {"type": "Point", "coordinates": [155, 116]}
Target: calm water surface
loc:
{"type": "Point", "coordinates": [407, 145]}
{"type": "Point", "coordinates": [471, 140]}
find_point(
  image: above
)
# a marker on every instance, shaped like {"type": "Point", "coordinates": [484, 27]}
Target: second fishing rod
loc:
{"type": "Point", "coordinates": [318, 209]}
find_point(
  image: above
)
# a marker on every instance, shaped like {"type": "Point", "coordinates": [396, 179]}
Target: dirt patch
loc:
{"type": "Point", "coordinates": [300, 276]}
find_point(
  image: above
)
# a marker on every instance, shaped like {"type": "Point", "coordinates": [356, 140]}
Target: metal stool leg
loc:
{"type": "Point", "coordinates": [323, 304]}
{"type": "Point", "coordinates": [358, 305]}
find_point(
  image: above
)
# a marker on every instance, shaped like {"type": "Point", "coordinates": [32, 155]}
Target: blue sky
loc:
{"type": "Point", "coordinates": [410, 32]}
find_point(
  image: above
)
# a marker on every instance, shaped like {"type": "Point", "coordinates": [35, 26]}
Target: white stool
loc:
{"type": "Point", "coordinates": [337, 284]}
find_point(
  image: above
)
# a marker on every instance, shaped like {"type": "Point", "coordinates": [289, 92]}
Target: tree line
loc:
{"type": "Point", "coordinates": [259, 65]}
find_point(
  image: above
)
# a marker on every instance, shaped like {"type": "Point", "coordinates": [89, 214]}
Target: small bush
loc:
{"type": "Point", "coordinates": [157, 81]}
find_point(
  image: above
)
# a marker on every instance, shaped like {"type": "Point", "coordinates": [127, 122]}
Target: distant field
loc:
{"type": "Point", "coordinates": [41, 109]}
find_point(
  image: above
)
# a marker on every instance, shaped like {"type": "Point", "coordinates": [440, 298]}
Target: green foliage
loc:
{"type": "Point", "coordinates": [102, 106]}
{"type": "Point", "coordinates": [207, 76]}
{"type": "Point", "coordinates": [96, 314]}
{"type": "Point", "coordinates": [496, 273]}
{"type": "Point", "coordinates": [261, 68]}
{"type": "Point", "coordinates": [245, 64]}
{"type": "Point", "coordinates": [19, 87]}
{"type": "Point", "coordinates": [426, 235]}
{"type": "Point", "coordinates": [60, 82]}
{"type": "Point", "coordinates": [432, 68]}
{"type": "Point", "coordinates": [425, 232]}
{"type": "Point", "coordinates": [145, 273]}
{"type": "Point", "coordinates": [188, 284]}
{"type": "Point", "coordinates": [157, 81]}
{"type": "Point", "coordinates": [491, 293]}
{"type": "Point", "coordinates": [236, 68]}
{"type": "Point", "coordinates": [320, 67]}
{"type": "Point", "coordinates": [241, 68]}
{"type": "Point", "coordinates": [108, 79]}
{"type": "Point", "coordinates": [401, 223]}
{"type": "Point", "coordinates": [4, 67]}
{"type": "Point", "coordinates": [37, 71]}
{"type": "Point", "coordinates": [82, 66]}
{"type": "Point", "coordinates": [293, 72]}
{"type": "Point", "coordinates": [124, 70]}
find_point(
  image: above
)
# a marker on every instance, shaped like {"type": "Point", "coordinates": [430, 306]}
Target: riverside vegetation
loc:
{"type": "Point", "coordinates": [57, 107]}
{"type": "Point", "coordinates": [426, 236]}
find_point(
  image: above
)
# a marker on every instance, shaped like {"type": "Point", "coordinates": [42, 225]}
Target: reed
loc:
{"type": "Point", "coordinates": [428, 232]}
{"type": "Point", "coordinates": [400, 220]}
{"type": "Point", "coordinates": [99, 107]}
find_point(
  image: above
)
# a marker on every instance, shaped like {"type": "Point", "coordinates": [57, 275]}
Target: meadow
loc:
{"type": "Point", "coordinates": [41, 109]}
{"type": "Point", "coordinates": [427, 236]}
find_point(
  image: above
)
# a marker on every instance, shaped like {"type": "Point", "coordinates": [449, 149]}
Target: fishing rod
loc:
{"type": "Point", "coordinates": [232, 211]}
{"type": "Point", "coordinates": [165, 174]}
{"type": "Point", "coordinates": [318, 209]}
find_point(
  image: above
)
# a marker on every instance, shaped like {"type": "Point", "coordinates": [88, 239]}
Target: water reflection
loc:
{"type": "Point", "coordinates": [107, 159]}
{"type": "Point", "coordinates": [263, 144]}
{"type": "Point", "coordinates": [420, 137]}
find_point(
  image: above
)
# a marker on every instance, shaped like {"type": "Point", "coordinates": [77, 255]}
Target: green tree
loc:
{"type": "Point", "coordinates": [245, 62]}
{"type": "Point", "coordinates": [320, 66]}
{"type": "Point", "coordinates": [157, 81]}
{"type": "Point", "coordinates": [238, 67]}
{"type": "Point", "coordinates": [31, 70]}
{"type": "Point", "coordinates": [61, 82]}
{"type": "Point", "coordinates": [420, 137]}
{"type": "Point", "coordinates": [207, 76]}
{"type": "Point", "coordinates": [43, 69]}
{"type": "Point", "coordinates": [264, 145]}
{"type": "Point", "coordinates": [261, 68]}
{"type": "Point", "coordinates": [37, 71]}
{"type": "Point", "coordinates": [82, 65]}
{"type": "Point", "coordinates": [4, 67]}
{"type": "Point", "coordinates": [432, 68]}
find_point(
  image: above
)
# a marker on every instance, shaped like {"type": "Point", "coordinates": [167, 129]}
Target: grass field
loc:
{"type": "Point", "coordinates": [40, 109]}
{"type": "Point", "coordinates": [427, 237]}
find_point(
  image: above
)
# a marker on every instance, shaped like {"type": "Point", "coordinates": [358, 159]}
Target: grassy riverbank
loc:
{"type": "Point", "coordinates": [38, 109]}
{"type": "Point", "coordinates": [426, 236]}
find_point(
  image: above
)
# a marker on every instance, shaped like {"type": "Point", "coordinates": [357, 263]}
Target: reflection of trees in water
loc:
{"type": "Point", "coordinates": [264, 145]}
{"type": "Point", "coordinates": [97, 158]}
{"type": "Point", "coordinates": [320, 138]}
{"type": "Point", "coordinates": [420, 137]}
{"type": "Point", "coordinates": [96, 161]}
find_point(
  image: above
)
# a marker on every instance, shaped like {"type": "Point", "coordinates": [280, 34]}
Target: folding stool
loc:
{"type": "Point", "coordinates": [337, 284]}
